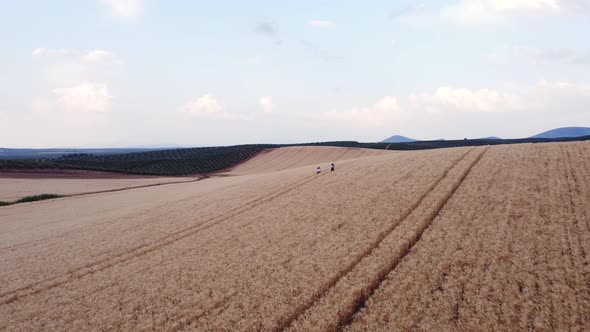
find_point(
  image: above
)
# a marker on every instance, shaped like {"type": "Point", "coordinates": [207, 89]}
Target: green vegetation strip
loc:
{"type": "Point", "coordinates": [31, 199]}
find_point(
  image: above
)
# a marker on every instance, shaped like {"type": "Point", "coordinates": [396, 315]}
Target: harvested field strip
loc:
{"type": "Point", "coordinates": [15, 187]}
{"type": "Point", "coordinates": [144, 249]}
{"type": "Point", "coordinates": [80, 229]}
{"type": "Point", "coordinates": [135, 187]}
{"type": "Point", "coordinates": [55, 196]}
{"type": "Point", "coordinates": [150, 211]}
{"type": "Point", "coordinates": [344, 296]}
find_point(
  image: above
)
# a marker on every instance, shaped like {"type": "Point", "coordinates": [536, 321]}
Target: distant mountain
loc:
{"type": "Point", "coordinates": [398, 139]}
{"type": "Point", "coordinates": [564, 132]}
{"type": "Point", "coordinates": [490, 137]}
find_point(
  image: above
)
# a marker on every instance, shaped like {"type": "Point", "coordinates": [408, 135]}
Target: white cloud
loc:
{"type": "Point", "coordinates": [46, 52]}
{"type": "Point", "coordinates": [382, 113]}
{"type": "Point", "coordinates": [465, 112]}
{"type": "Point", "coordinates": [497, 58]}
{"type": "Point", "coordinates": [88, 57]}
{"type": "Point", "coordinates": [489, 11]}
{"type": "Point", "coordinates": [85, 97]}
{"type": "Point", "coordinates": [466, 100]}
{"type": "Point", "coordinates": [564, 55]}
{"type": "Point", "coordinates": [537, 55]}
{"type": "Point", "coordinates": [581, 59]}
{"type": "Point", "coordinates": [266, 104]}
{"type": "Point", "coordinates": [321, 24]}
{"type": "Point", "coordinates": [100, 56]}
{"type": "Point", "coordinates": [534, 55]}
{"type": "Point", "coordinates": [255, 60]}
{"type": "Point", "coordinates": [124, 8]}
{"type": "Point", "coordinates": [524, 5]}
{"type": "Point", "coordinates": [207, 107]}
{"type": "Point", "coordinates": [408, 12]}
{"type": "Point", "coordinates": [581, 89]}
{"type": "Point", "coordinates": [40, 107]}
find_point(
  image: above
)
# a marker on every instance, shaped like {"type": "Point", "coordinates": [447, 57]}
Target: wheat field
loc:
{"type": "Point", "coordinates": [14, 187]}
{"type": "Point", "coordinates": [486, 238]}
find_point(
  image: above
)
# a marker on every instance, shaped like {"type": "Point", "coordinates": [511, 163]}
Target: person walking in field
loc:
{"type": "Point", "coordinates": [318, 170]}
{"type": "Point", "coordinates": [332, 168]}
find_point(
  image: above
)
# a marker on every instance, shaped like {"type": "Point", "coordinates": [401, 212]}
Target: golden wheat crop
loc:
{"type": "Point", "coordinates": [14, 187]}
{"type": "Point", "coordinates": [451, 239]}
{"type": "Point", "coordinates": [509, 251]}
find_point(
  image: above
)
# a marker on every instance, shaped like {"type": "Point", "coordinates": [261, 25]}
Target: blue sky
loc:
{"type": "Point", "coordinates": [111, 73]}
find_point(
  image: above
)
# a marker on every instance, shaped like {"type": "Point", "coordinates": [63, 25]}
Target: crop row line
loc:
{"type": "Point", "coordinates": [41, 286]}
{"type": "Point", "coordinates": [100, 192]}
{"type": "Point", "coordinates": [287, 323]}
{"type": "Point", "coordinates": [412, 241]}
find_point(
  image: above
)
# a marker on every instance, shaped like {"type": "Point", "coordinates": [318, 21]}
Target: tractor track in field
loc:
{"type": "Point", "coordinates": [116, 219]}
{"type": "Point", "coordinates": [109, 221]}
{"type": "Point", "coordinates": [44, 285]}
{"type": "Point", "coordinates": [413, 241]}
{"type": "Point", "coordinates": [195, 318]}
{"type": "Point", "coordinates": [287, 322]}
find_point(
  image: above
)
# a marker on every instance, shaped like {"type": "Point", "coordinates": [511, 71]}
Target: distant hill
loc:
{"type": "Point", "coordinates": [564, 132]}
{"type": "Point", "coordinates": [399, 139]}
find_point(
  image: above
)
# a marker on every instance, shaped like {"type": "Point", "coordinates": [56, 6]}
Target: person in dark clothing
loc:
{"type": "Point", "coordinates": [333, 167]}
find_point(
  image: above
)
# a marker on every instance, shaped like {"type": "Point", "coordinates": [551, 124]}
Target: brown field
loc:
{"type": "Point", "coordinates": [487, 238]}
{"type": "Point", "coordinates": [273, 160]}
{"type": "Point", "coordinates": [18, 184]}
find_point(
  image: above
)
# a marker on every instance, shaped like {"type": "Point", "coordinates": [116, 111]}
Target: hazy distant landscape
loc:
{"type": "Point", "coordinates": [564, 132]}
{"type": "Point", "coordinates": [8, 153]}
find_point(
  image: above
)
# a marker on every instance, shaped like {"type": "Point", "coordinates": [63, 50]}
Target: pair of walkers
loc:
{"type": "Point", "coordinates": [319, 169]}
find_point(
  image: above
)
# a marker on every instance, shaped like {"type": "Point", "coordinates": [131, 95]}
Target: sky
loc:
{"type": "Point", "coordinates": [154, 73]}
